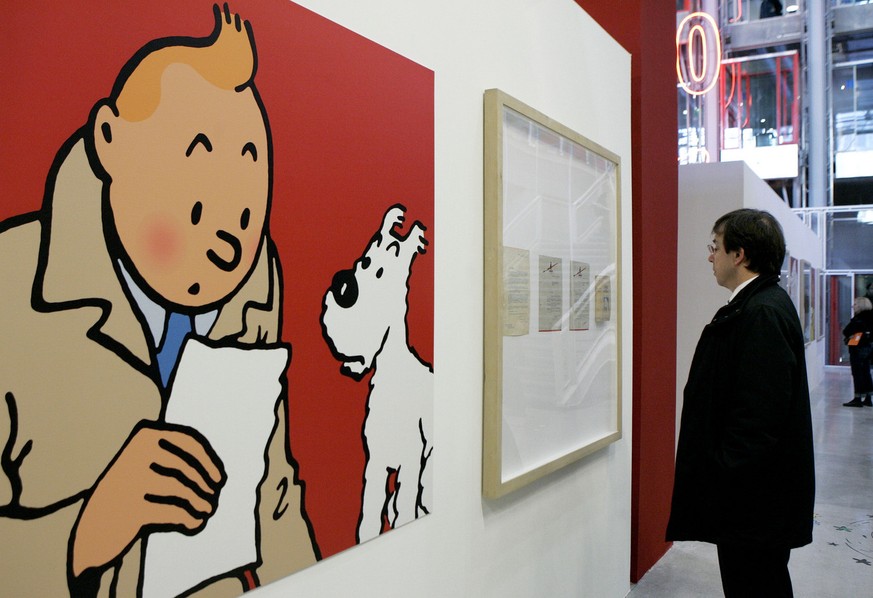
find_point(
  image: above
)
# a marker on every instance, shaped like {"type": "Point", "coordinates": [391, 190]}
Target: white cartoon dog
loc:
{"type": "Point", "coordinates": [364, 322]}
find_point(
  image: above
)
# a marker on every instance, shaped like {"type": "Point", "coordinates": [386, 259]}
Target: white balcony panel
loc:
{"type": "Point", "coordinates": [850, 165]}
{"type": "Point", "coordinates": [768, 162]}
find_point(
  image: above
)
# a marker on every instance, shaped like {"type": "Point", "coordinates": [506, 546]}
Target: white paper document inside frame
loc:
{"type": "Point", "coordinates": [559, 221]}
{"type": "Point", "coordinates": [228, 394]}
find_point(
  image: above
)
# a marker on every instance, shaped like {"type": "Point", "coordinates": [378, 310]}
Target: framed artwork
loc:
{"type": "Point", "coordinates": [213, 216]}
{"type": "Point", "coordinates": [820, 299]}
{"type": "Point", "coordinates": [552, 392]}
{"type": "Point", "coordinates": [794, 282]}
{"type": "Point", "coordinates": [785, 272]}
{"type": "Point", "coordinates": [807, 293]}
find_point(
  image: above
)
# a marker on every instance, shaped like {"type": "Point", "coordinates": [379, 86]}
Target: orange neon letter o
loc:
{"type": "Point", "coordinates": [690, 52]}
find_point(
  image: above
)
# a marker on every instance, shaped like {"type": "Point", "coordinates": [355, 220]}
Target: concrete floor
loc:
{"type": "Point", "coordinates": [839, 562]}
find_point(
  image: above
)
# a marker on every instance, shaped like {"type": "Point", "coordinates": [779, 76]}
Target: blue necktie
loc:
{"type": "Point", "coordinates": [178, 327]}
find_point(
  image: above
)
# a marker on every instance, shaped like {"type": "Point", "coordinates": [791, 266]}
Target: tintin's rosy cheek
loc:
{"type": "Point", "coordinates": [162, 243]}
{"type": "Point", "coordinates": [250, 249]}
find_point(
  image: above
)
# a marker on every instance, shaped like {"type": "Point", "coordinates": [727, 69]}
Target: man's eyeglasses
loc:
{"type": "Point", "coordinates": [712, 249]}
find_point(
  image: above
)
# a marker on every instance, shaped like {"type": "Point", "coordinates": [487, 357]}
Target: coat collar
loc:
{"type": "Point", "coordinates": [736, 305]}
{"type": "Point", "coordinates": [77, 270]}
{"type": "Point", "coordinates": [753, 287]}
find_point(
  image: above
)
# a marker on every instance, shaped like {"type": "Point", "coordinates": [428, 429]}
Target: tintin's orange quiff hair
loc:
{"type": "Point", "coordinates": [226, 58]}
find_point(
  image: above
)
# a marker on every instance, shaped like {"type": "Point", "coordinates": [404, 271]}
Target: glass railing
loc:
{"type": "Point", "coordinates": [745, 11]}
{"type": "Point", "coordinates": [846, 235]}
{"type": "Point", "coordinates": [852, 101]}
{"type": "Point", "coordinates": [692, 134]}
{"type": "Point", "coordinates": [760, 101]}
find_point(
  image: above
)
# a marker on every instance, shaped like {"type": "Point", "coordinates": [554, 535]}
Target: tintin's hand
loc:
{"type": "Point", "coordinates": [164, 478]}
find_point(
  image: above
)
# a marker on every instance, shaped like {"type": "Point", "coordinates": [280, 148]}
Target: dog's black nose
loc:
{"type": "Point", "coordinates": [345, 288]}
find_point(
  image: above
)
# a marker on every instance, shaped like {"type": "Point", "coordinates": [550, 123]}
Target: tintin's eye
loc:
{"type": "Point", "coordinates": [251, 150]}
{"type": "Point", "coordinates": [244, 219]}
{"type": "Point", "coordinates": [196, 213]}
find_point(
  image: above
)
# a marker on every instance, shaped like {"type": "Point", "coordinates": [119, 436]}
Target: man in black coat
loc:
{"type": "Point", "coordinates": [745, 477]}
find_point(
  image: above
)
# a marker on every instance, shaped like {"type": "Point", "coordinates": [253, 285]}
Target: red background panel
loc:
{"type": "Point", "coordinates": [352, 127]}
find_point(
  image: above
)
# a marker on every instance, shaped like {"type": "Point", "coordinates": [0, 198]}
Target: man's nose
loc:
{"type": "Point", "coordinates": [236, 252]}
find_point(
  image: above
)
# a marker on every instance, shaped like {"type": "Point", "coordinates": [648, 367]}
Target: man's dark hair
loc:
{"type": "Point", "coordinates": [758, 233]}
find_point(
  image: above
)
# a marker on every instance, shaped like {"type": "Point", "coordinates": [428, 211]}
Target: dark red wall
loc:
{"type": "Point", "coordinates": [647, 30]}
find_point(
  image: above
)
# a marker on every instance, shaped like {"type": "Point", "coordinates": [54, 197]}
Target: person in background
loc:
{"type": "Point", "coordinates": [770, 8]}
{"type": "Point", "coordinates": [857, 335]}
{"type": "Point", "coordinates": [745, 478]}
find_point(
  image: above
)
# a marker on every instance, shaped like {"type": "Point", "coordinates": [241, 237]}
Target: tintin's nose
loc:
{"type": "Point", "coordinates": [236, 255]}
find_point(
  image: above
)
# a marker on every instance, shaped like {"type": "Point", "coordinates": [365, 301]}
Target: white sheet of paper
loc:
{"type": "Point", "coordinates": [229, 395]}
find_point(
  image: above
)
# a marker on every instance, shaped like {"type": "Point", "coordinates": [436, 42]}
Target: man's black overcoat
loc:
{"type": "Point", "coordinates": [744, 464]}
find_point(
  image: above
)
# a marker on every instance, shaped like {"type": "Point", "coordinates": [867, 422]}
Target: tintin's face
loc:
{"type": "Point", "coordinates": [189, 189]}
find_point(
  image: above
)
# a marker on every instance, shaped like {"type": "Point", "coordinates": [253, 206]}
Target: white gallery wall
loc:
{"type": "Point", "coordinates": [569, 534]}
{"type": "Point", "coordinates": [706, 192]}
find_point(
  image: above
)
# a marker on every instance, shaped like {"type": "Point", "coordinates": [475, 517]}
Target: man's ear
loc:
{"type": "Point", "coordinates": [740, 258]}
{"type": "Point", "coordinates": [105, 121]}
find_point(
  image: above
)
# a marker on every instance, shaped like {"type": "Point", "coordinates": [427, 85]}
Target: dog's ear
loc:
{"type": "Point", "coordinates": [394, 217]}
{"type": "Point", "coordinates": [417, 233]}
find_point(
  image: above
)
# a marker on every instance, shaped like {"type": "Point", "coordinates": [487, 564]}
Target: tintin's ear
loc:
{"type": "Point", "coordinates": [105, 121]}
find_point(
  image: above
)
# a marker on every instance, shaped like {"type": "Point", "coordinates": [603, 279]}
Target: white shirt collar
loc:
{"type": "Point", "coordinates": [156, 315]}
{"type": "Point", "coordinates": [741, 287]}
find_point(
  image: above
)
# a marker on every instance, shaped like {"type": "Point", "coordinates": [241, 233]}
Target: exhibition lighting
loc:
{"type": "Point", "coordinates": [703, 27]}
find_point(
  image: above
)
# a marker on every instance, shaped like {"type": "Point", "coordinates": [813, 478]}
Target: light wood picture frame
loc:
{"type": "Point", "coordinates": [552, 317]}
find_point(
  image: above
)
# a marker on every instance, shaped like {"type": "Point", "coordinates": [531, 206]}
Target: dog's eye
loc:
{"type": "Point", "coordinates": [365, 263]}
{"type": "Point", "coordinates": [379, 273]}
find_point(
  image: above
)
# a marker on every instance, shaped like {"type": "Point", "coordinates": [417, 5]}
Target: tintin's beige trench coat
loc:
{"type": "Point", "coordinates": [75, 399]}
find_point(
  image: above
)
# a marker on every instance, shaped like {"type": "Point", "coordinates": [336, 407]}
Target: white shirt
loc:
{"type": "Point", "coordinates": [741, 287]}
{"type": "Point", "coordinates": [156, 315]}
